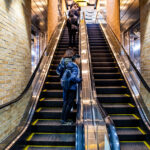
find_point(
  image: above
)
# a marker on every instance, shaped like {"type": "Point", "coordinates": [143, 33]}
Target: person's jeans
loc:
{"type": "Point", "coordinates": [72, 36]}
{"type": "Point", "coordinates": [68, 101]}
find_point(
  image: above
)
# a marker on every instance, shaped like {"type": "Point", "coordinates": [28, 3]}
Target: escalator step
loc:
{"type": "Point", "coordinates": [38, 147]}
{"type": "Point", "coordinates": [51, 139]}
{"type": "Point", "coordinates": [134, 145]}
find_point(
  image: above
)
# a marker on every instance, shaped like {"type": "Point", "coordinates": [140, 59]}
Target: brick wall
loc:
{"type": "Point", "coordinates": [145, 47]}
{"type": "Point", "coordinates": [113, 16]}
{"type": "Point", "coordinates": [15, 60]}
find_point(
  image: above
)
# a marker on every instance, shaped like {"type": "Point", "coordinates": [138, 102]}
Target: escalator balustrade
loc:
{"type": "Point", "coordinates": [114, 94]}
{"type": "Point", "coordinates": [46, 131]}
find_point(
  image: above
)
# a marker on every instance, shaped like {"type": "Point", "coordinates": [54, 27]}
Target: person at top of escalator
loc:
{"type": "Point", "coordinates": [69, 73]}
{"type": "Point", "coordinates": [72, 29]}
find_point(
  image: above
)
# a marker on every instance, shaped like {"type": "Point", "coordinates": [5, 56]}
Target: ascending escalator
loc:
{"type": "Point", "coordinates": [46, 131]}
{"type": "Point", "coordinates": [114, 94]}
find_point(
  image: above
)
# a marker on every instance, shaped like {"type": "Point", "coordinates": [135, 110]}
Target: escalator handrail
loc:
{"type": "Point", "coordinates": [23, 128]}
{"type": "Point", "coordinates": [113, 137]}
{"type": "Point", "coordinates": [31, 78]}
{"type": "Point", "coordinates": [132, 64]}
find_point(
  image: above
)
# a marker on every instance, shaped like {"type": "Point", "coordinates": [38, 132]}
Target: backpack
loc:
{"type": "Point", "coordinates": [65, 83]}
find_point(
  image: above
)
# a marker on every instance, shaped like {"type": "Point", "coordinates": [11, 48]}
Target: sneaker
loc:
{"type": "Point", "coordinates": [66, 123]}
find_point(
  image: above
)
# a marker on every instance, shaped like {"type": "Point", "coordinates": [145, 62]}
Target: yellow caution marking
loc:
{"type": "Point", "coordinates": [35, 122]}
{"type": "Point", "coordinates": [123, 86]}
{"type": "Point", "coordinates": [49, 75]}
{"type": "Point", "coordinates": [127, 95]}
{"type": "Point", "coordinates": [47, 82]}
{"type": "Point", "coordinates": [133, 128]}
{"type": "Point", "coordinates": [131, 105]}
{"type": "Point", "coordinates": [148, 146]}
{"type": "Point", "coordinates": [120, 79]}
{"type": "Point", "coordinates": [30, 137]}
{"type": "Point", "coordinates": [135, 116]}
{"type": "Point", "coordinates": [47, 146]}
{"type": "Point", "coordinates": [26, 148]}
{"type": "Point", "coordinates": [126, 115]}
{"type": "Point", "coordinates": [42, 99]}
{"type": "Point", "coordinates": [141, 130]}
{"type": "Point", "coordinates": [38, 110]}
{"type": "Point", "coordinates": [45, 90]}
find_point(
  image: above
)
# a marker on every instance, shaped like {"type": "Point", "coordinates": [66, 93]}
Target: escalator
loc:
{"type": "Point", "coordinates": [114, 95]}
{"type": "Point", "coordinates": [46, 131]}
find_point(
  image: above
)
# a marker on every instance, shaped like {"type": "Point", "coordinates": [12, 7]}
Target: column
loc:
{"type": "Point", "coordinates": [113, 16]}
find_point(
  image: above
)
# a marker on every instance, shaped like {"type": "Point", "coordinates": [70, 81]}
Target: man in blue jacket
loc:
{"type": "Point", "coordinates": [69, 62]}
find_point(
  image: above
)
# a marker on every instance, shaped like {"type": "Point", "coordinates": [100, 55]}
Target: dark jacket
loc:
{"type": "Point", "coordinates": [74, 79]}
{"type": "Point", "coordinates": [70, 21]}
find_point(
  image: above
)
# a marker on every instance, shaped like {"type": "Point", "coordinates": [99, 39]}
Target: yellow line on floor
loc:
{"type": "Point", "coordinates": [35, 122]}
{"type": "Point", "coordinates": [38, 110]}
{"type": "Point", "coordinates": [148, 146]}
{"type": "Point", "coordinates": [127, 95]}
{"type": "Point", "coordinates": [42, 99]}
{"type": "Point", "coordinates": [141, 130]}
{"type": "Point", "coordinates": [131, 105]}
{"type": "Point", "coordinates": [45, 90]}
{"type": "Point", "coordinates": [30, 137]}
{"type": "Point", "coordinates": [45, 146]}
{"type": "Point", "coordinates": [135, 116]}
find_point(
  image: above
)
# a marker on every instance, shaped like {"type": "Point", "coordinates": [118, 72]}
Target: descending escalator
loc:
{"type": "Point", "coordinates": [114, 94]}
{"type": "Point", "coordinates": [46, 131]}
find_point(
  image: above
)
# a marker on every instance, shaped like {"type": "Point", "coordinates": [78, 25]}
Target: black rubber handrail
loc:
{"type": "Point", "coordinates": [137, 72]}
{"type": "Point", "coordinates": [30, 81]}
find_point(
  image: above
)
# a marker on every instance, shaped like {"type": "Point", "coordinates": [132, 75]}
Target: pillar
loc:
{"type": "Point", "coordinates": [52, 16]}
{"type": "Point", "coordinates": [113, 16]}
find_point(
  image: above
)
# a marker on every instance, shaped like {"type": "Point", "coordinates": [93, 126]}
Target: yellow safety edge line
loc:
{"type": "Point", "coordinates": [47, 82]}
{"type": "Point", "coordinates": [42, 119]}
{"type": "Point", "coordinates": [30, 137]}
{"type": "Point", "coordinates": [134, 127]}
{"type": "Point", "coordinates": [26, 148]}
{"type": "Point", "coordinates": [123, 86]}
{"type": "Point", "coordinates": [38, 110]}
{"type": "Point", "coordinates": [127, 95]}
{"type": "Point", "coordinates": [136, 117]}
{"type": "Point", "coordinates": [42, 99]}
{"type": "Point", "coordinates": [147, 145]}
{"type": "Point", "coordinates": [35, 122]}
{"type": "Point", "coordinates": [141, 130]}
{"type": "Point", "coordinates": [45, 90]}
{"type": "Point", "coordinates": [131, 105]}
